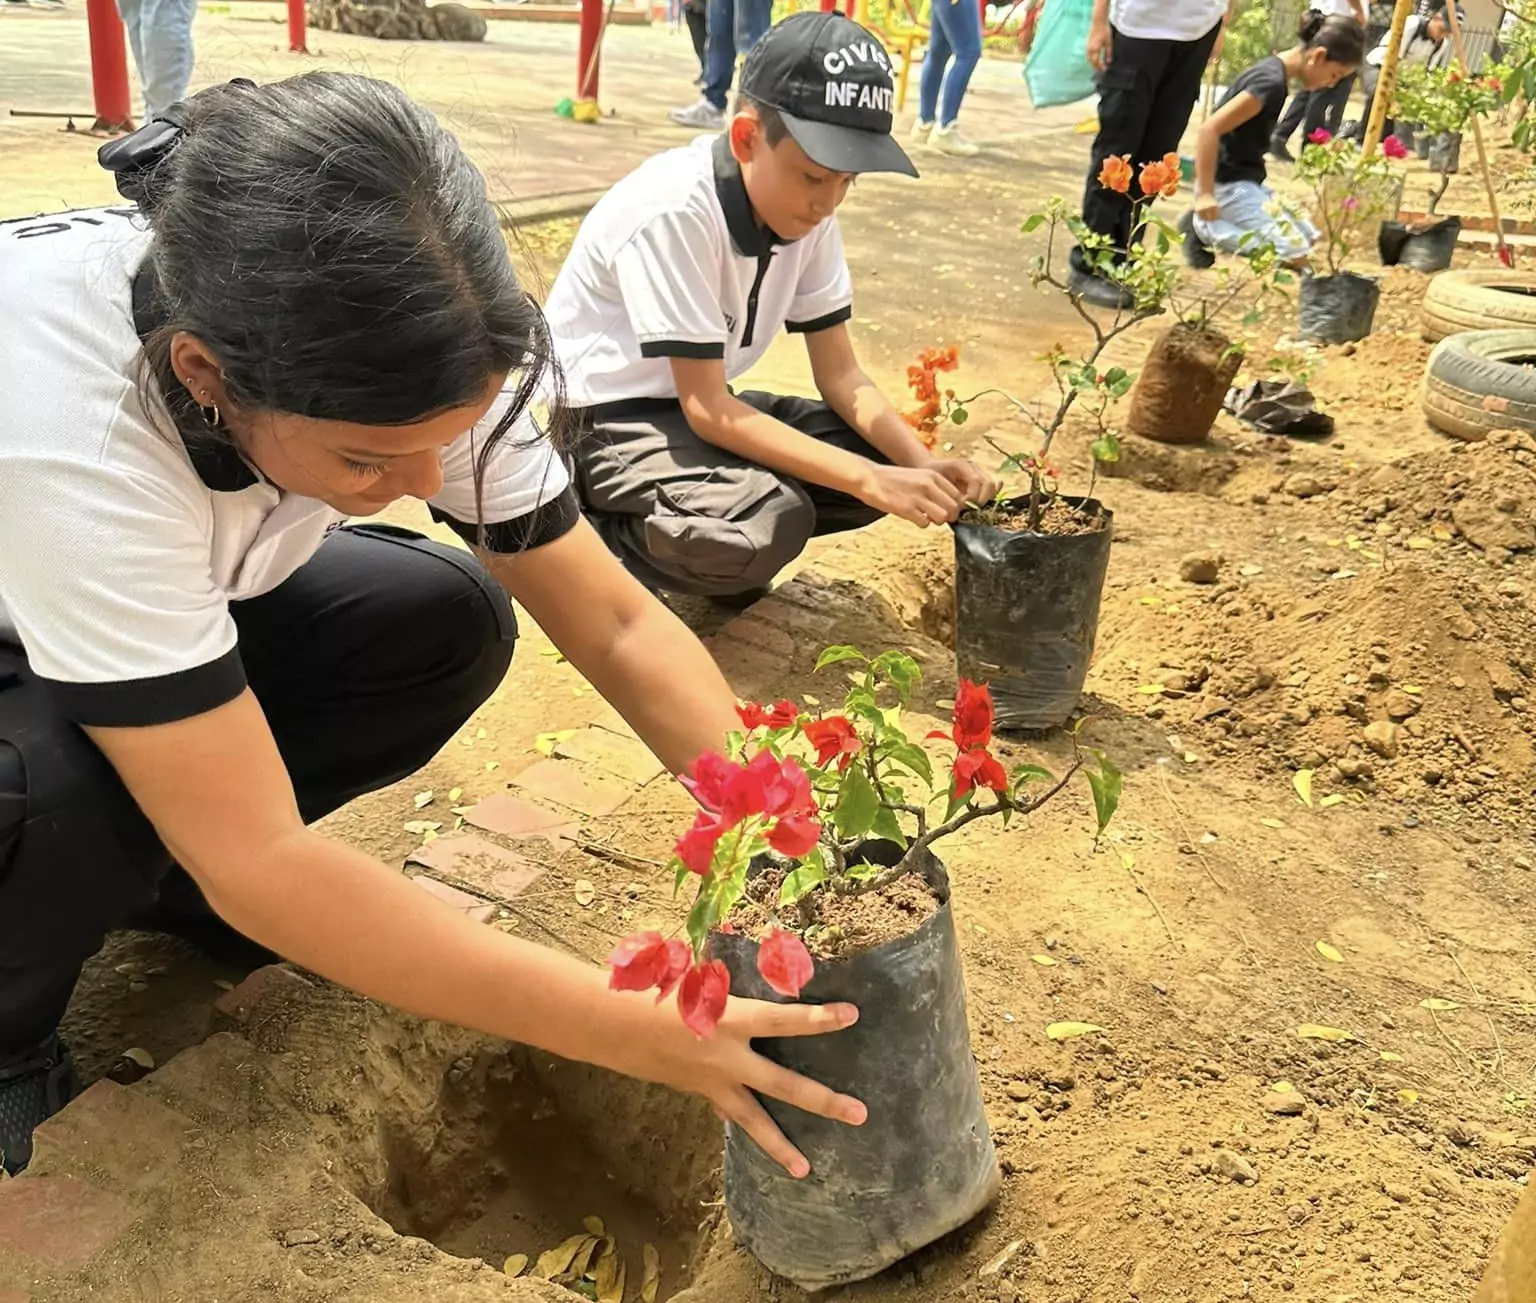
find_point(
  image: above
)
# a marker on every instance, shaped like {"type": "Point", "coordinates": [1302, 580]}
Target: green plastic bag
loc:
{"type": "Point", "coordinates": [1057, 70]}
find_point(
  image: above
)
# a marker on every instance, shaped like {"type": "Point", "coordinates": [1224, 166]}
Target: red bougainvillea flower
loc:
{"type": "Point", "coordinates": [978, 768]}
{"type": "Point", "coordinates": [795, 835]}
{"type": "Point", "coordinates": [696, 847]}
{"type": "Point", "coordinates": [1392, 147]}
{"type": "Point", "coordinates": [1453, 77]}
{"type": "Point", "coordinates": [973, 715]}
{"type": "Point", "coordinates": [1319, 137]}
{"type": "Point", "coordinates": [784, 962]}
{"type": "Point", "coordinates": [780, 715]}
{"type": "Point", "coordinates": [834, 739]}
{"type": "Point", "coordinates": [644, 960]}
{"type": "Point", "coordinates": [708, 779]}
{"type": "Point", "coordinates": [1116, 174]}
{"type": "Point", "coordinates": [701, 997]}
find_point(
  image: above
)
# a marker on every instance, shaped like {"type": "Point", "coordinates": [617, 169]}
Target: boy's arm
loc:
{"type": "Point", "coordinates": [849, 392]}
{"type": "Point", "coordinates": [921, 495]}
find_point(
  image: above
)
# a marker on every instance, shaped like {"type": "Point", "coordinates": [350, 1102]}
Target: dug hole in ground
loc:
{"type": "Point", "coordinates": [1306, 941]}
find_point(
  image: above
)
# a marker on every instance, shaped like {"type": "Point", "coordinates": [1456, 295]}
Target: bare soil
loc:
{"type": "Point", "coordinates": [839, 926]}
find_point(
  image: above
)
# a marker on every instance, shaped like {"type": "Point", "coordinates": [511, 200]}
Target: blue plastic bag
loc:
{"type": "Point", "coordinates": [1057, 70]}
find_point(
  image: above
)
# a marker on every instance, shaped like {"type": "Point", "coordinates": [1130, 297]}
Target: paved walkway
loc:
{"type": "Point", "coordinates": [498, 97]}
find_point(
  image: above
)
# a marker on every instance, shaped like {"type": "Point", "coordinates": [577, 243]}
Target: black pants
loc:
{"type": "Point", "coordinates": [1311, 109]}
{"type": "Point", "coordinates": [365, 662]}
{"type": "Point", "coordinates": [1145, 99]}
{"type": "Point", "coordinates": [687, 517]}
{"type": "Point", "coordinates": [698, 31]}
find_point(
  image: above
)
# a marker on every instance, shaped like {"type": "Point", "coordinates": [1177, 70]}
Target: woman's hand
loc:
{"type": "Point", "coordinates": [975, 485]}
{"type": "Point", "coordinates": [726, 1070]}
{"type": "Point", "coordinates": [1100, 44]}
{"type": "Point", "coordinates": [1206, 208]}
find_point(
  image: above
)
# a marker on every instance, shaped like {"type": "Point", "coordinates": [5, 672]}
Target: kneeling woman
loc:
{"type": "Point", "coordinates": [307, 314]}
{"type": "Point", "coordinates": [1234, 210]}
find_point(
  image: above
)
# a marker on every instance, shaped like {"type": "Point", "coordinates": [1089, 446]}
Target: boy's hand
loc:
{"type": "Point", "coordinates": [922, 495]}
{"type": "Point", "coordinates": [975, 484]}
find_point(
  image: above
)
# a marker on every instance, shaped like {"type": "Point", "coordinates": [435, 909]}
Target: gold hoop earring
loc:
{"type": "Point", "coordinates": [211, 417]}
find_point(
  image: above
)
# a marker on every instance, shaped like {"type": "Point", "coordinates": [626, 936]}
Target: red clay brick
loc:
{"type": "Point", "coordinates": [273, 981]}
{"type": "Point", "coordinates": [786, 615]}
{"type": "Point", "coordinates": [113, 1129]}
{"type": "Point", "coordinates": [60, 1220]}
{"type": "Point", "coordinates": [761, 635]}
{"type": "Point", "coordinates": [472, 907]}
{"type": "Point", "coordinates": [483, 864]}
{"type": "Point", "coordinates": [511, 816]}
{"type": "Point", "coordinates": [571, 783]}
{"type": "Point", "coordinates": [623, 757]}
{"type": "Point", "coordinates": [14, 1296]}
{"type": "Point", "coordinates": [613, 722]}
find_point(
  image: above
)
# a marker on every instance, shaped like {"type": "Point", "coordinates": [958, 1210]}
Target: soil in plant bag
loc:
{"type": "Point", "coordinates": [922, 1166]}
{"type": "Point", "coordinates": [1178, 394]}
{"type": "Point", "coordinates": [1338, 309]}
{"type": "Point", "coordinates": [1027, 605]}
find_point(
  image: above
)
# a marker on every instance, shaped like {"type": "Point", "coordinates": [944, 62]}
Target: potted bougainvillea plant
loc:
{"type": "Point", "coordinates": [812, 859]}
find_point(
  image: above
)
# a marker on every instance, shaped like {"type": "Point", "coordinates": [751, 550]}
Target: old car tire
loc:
{"type": "Point", "coordinates": [1485, 299]}
{"type": "Point", "coordinates": [1482, 380]}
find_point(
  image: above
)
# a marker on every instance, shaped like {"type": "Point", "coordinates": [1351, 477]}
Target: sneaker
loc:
{"type": "Point", "coordinates": [34, 1085]}
{"type": "Point", "coordinates": [702, 116]}
{"type": "Point", "coordinates": [921, 131]}
{"type": "Point", "coordinates": [1279, 149]}
{"type": "Point", "coordinates": [948, 140]}
{"type": "Point", "coordinates": [1195, 253]}
{"type": "Point", "coordinates": [1098, 291]}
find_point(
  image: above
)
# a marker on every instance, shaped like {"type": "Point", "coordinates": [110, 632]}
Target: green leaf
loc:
{"type": "Point", "coordinates": [1115, 375]}
{"type": "Point", "coordinates": [888, 827]}
{"type": "Point", "coordinates": [735, 744]}
{"type": "Point", "coordinates": [1033, 223]}
{"type": "Point", "coordinates": [1106, 784]}
{"type": "Point", "coordinates": [862, 872]}
{"type": "Point", "coordinates": [681, 876]}
{"type": "Point", "coordinates": [913, 758]}
{"type": "Point", "coordinates": [901, 670]}
{"type": "Point", "coordinates": [1106, 448]}
{"type": "Point", "coordinates": [703, 918]}
{"type": "Point", "coordinates": [959, 416]}
{"type": "Point", "coordinates": [1031, 774]}
{"type": "Point", "coordinates": [810, 875]}
{"type": "Point", "coordinates": [857, 805]}
{"type": "Point", "coordinates": [833, 655]}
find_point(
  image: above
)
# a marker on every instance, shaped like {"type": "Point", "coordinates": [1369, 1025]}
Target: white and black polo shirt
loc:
{"type": "Point", "coordinates": [673, 263]}
{"type": "Point", "coordinates": [121, 546]}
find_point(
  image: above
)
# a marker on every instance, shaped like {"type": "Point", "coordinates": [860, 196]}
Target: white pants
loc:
{"type": "Point", "coordinates": [160, 35]}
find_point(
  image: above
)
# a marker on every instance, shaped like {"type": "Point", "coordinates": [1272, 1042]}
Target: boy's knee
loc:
{"type": "Point", "coordinates": [714, 556]}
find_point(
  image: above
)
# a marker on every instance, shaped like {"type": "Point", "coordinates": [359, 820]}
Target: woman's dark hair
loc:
{"type": "Point", "coordinates": [1339, 37]}
{"type": "Point", "coordinates": [331, 244]}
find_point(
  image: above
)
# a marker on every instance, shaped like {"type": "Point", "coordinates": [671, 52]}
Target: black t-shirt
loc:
{"type": "Point", "coordinates": [1242, 150]}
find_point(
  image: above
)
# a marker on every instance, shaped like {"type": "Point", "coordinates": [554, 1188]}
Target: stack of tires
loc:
{"type": "Point", "coordinates": [1482, 374]}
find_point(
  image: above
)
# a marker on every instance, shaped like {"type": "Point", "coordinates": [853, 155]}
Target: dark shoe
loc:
{"type": "Point", "coordinates": [1098, 291]}
{"type": "Point", "coordinates": [1279, 149]}
{"type": "Point", "coordinates": [1196, 254]}
{"type": "Point", "coordinates": [34, 1085]}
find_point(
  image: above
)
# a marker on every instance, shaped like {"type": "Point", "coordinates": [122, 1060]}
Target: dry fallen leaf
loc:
{"type": "Point", "coordinates": [1301, 780]}
{"type": "Point", "coordinates": [1283, 1088]}
{"type": "Point", "coordinates": [1330, 953]}
{"type": "Point", "coordinates": [557, 1261]}
{"type": "Point", "coordinates": [1273, 823]}
{"type": "Point", "coordinates": [1436, 1005]}
{"type": "Point", "coordinates": [1413, 689]}
{"type": "Point", "coordinates": [652, 1281]}
{"type": "Point", "coordinates": [1045, 961]}
{"type": "Point", "coordinates": [491, 766]}
{"type": "Point", "coordinates": [581, 1264]}
{"type": "Point", "coordinates": [1391, 1056]}
{"type": "Point", "coordinates": [1408, 1096]}
{"type": "Point", "coordinates": [610, 1277]}
{"type": "Point", "coordinates": [546, 743]}
{"type": "Point", "coordinates": [143, 1058]}
{"type": "Point", "coordinates": [1066, 1031]}
{"type": "Point", "coordinates": [516, 1265]}
{"type": "Point", "coordinates": [455, 795]}
{"type": "Point", "coordinates": [421, 827]}
{"type": "Point", "coordinates": [1309, 1031]}
{"type": "Point", "coordinates": [586, 893]}
{"type": "Point", "coordinates": [1151, 689]}
{"type": "Point", "coordinates": [1420, 544]}
{"type": "Point", "coordinates": [423, 800]}
{"type": "Point", "coordinates": [1331, 800]}
{"type": "Point", "coordinates": [594, 1225]}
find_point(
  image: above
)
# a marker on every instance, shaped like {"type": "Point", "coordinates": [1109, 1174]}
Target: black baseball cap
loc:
{"type": "Point", "coordinates": [830, 80]}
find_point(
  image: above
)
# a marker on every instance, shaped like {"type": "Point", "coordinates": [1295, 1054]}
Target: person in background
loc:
{"type": "Point", "coordinates": [160, 36]}
{"type": "Point", "coordinates": [1150, 56]}
{"type": "Point", "coordinates": [1234, 210]}
{"type": "Point", "coordinates": [954, 49]}
{"type": "Point", "coordinates": [1314, 109]}
{"type": "Point", "coordinates": [732, 28]}
{"type": "Point", "coordinates": [695, 14]}
{"type": "Point", "coordinates": [1423, 42]}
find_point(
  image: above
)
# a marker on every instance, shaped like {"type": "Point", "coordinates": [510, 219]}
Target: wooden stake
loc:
{"type": "Point", "coordinates": [1506, 256]}
{"type": "Point", "coordinates": [1386, 83]}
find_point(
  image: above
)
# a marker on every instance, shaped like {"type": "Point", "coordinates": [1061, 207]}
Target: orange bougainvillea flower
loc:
{"type": "Point", "coordinates": [1116, 174]}
{"type": "Point", "coordinates": [1161, 178]}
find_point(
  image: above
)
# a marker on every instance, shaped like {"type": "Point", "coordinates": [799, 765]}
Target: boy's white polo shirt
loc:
{"type": "Point", "coordinates": [121, 545]}
{"type": "Point", "coordinates": [672, 262]}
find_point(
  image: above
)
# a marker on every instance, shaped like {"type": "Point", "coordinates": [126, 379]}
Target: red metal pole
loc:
{"type": "Point", "coordinates": [827, 6]}
{"type": "Point", "coordinates": [109, 65]}
{"type": "Point", "coordinates": [587, 51]}
{"type": "Point", "coordinates": [296, 21]}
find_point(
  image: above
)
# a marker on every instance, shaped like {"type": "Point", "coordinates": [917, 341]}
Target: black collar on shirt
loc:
{"type": "Point", "coordinates": [216, 460]}
{"type": "Point", "coordinates": [751, 238]}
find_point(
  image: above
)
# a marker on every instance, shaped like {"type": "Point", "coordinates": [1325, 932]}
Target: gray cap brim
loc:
{"type": "Point", "coordinates": [846, 149]}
